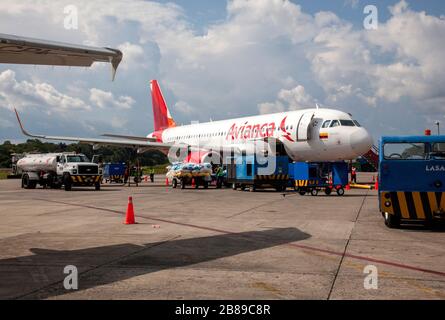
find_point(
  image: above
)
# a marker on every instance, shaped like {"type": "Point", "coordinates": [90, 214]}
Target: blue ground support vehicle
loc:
{"type": "Point", "coordinates": [245, 171]}
{"type": "Point", "coordinates": [114, 172]}
{"type": "Point", "coordinates": [412, 179]}
{"type": "Point", "coordinates": [315, 176]}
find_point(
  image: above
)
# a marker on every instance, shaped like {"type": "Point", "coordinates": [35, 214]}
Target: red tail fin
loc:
{"type": "Point", "coordinates": [161, 115]}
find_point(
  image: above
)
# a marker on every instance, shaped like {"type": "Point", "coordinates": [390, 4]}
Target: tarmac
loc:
{"type": "Point", "coordinates": [211, 244]}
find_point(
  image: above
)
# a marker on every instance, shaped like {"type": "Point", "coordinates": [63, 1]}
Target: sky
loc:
{"type": "Point", "coordinates": [224, 59]}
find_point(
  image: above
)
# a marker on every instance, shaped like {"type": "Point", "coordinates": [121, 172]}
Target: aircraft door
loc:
{"type": "Point", "coordinates": [303, 133]}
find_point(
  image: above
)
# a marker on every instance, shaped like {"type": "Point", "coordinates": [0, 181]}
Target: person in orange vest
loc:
{"type": "Point", "coordinates": [354, 175]}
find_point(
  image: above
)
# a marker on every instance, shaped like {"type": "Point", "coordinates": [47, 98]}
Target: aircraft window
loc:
{"type": "Point", "coordinates": [356, 123]}
{"type": "Point", "coordinates": [347, 123]}
{"type": "Point", "coordinates": [334, 123]}
{"type": "Point", "coordinates": [326, 124]}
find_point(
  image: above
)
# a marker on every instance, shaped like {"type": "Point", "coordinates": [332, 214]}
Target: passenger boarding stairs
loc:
{"type": "Point", "coordinates": [372, 157]}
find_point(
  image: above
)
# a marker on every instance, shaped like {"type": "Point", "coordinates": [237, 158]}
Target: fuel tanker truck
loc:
{"type": "Point", "coordinates": [55, 170]}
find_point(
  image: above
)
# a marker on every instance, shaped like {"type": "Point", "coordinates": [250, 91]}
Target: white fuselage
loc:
{"type": "Point", "coordinates": [306, 134]}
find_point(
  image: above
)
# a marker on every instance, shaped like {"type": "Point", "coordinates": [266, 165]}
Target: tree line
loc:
{"type": "Point", "coordinates": [109, 154]}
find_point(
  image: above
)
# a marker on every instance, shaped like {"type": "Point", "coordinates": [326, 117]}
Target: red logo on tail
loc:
{"type": "Point", "coordinates": [286, 134]}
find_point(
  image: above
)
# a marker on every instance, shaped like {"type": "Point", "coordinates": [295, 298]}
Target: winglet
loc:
{"type": "Point", "coordinates": [115, 61]}
{"type": "Point", "coordinates": [21, 125]}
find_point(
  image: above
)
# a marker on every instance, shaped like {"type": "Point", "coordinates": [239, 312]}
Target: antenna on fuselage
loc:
{"type": "Point", "coordinates": [318, 107]}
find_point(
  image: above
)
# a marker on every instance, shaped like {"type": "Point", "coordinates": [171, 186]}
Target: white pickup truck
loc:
{"type": "Point", "coordinates": [55, 170]}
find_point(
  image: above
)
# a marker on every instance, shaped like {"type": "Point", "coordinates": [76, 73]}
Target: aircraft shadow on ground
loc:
{"type": "Point", "coordinates": [108, 264]}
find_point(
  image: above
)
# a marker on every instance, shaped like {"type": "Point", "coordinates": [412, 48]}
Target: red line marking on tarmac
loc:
{"type": "Point", "coordinates": [353, 256]}
{"type": "Point", "coordinates": [304, 247]}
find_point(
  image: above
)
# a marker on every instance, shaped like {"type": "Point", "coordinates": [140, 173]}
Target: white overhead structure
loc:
{"type": "Point", "coordinates": [21, 50]}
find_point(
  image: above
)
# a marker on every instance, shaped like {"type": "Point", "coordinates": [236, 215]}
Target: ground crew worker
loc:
{"type": "Point", "coordinates": [152, 175]}
{"type": "Point", "coordinates": [127, 173]}
{"type": "Point", "coordinates": [354, 175]}
{"type": "Point", "coordinates": [219, 176]}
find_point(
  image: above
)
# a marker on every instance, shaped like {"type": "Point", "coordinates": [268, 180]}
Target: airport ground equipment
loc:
{"type": "Point", "coordinates": [55, 170]}
{"type": "Point", "coordinates": [189, 174]}
{"type": "Point", "coordinates": [412, 179]}
{"type": "Point", "coordinates": [312, 177]}
{"type": "Point", "coordinates": [370, 160]}
{"type": "Point", "coordinates": [15, 173]}
{"type": "Point", "coordinates": [114, 172]}
{"type": "Point", "coordinates": [246, 171]}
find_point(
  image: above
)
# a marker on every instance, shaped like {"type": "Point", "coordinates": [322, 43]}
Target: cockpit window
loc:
{"type": "Point", "coordinates": [335, 123]}
{"type": "Point", "coordinates": [326, 124]}
{"type": "Point", "coordinates": [356, 123]}
{"type": "Point", "coordinates": [347, 123]}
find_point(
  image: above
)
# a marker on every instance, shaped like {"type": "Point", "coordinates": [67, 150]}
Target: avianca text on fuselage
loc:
{"type": "Point", "coordinates": [247, 131]}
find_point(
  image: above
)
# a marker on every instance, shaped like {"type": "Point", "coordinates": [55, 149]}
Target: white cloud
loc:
{"type": "Point", "coordinates": [292, 99]}
{"type": "Point", "coordinates": [415, 41]}
{"type": "Point", "coordinates": [20, 94]}
{"type": "Point", "coordinates": [184, 107]}
{"type": "Point", "coordinates": [134, 56]}
{"type": "Point", "coordinates": [106, 99]}
{"type": "Point", "coordinates": [351, 3]}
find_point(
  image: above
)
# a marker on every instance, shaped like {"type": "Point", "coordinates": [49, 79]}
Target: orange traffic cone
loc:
{"type": "Point", "coordinates": [129, 216]}
{"type": "Point", "coordinates": [166, 182]}
{"type": "Point", "coordinates": [376, 184]}
{"type": "Point", "coordinates": [348, 187]}
{"type": "Point", "coordinates": [193, 182]}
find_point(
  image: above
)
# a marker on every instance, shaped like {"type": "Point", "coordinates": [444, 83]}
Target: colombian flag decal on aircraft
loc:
{"type": "Point", "coordinates": [323, 135]}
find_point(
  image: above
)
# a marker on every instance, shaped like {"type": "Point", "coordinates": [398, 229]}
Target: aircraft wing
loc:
{"type": "Point", "coordinates": [129, 137]}
{"type": "Point", "coordinates": [21, 50]}
{"type": "Point", "coordinates": [139, 144]}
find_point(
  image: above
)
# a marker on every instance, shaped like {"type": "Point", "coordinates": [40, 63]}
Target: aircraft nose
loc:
{"type": "Point", "coordinates": [361, 141]}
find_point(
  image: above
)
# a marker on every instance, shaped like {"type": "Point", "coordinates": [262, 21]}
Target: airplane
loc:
{"type": "Point", "coordinates": [316, 134]}
{"type": "Point", "coordinates": [21, 50]}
